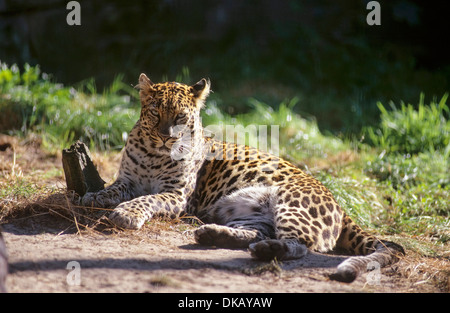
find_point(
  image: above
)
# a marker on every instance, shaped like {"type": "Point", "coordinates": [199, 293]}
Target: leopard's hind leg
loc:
{"type": "Point", "coordinates": [239, 219]}
{"type": "Point", "coordinates": [247, 221]}
{"type": "Point", "coordinates": [236, 234]}
{"type": "Point", "coordinates": [284, 245]}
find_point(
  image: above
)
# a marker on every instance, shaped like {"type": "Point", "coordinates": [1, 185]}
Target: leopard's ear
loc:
{"type": "Point", "coordinates": [144, 82]}
{"type": "Point", "coordinates": [201, 90]}
{"type": "Point", "coordinates": [146, 90]}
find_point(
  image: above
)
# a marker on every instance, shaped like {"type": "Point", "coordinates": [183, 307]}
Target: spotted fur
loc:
{"type": "Point", "coordinates": [247, 198]}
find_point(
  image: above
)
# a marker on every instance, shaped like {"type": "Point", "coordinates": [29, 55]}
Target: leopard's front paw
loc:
{"type": "Point", "coordinates": [127, 218]}
{"type": "Point", "coordinates": [89, 199]}
{"type": "Point", "coordinates": [98, 199]}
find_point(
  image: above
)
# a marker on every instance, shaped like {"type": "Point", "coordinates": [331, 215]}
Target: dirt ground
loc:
{"type": "Point", "coordinates": [47, 253]}
{"type": "Point", "coordinates": [44, 256]}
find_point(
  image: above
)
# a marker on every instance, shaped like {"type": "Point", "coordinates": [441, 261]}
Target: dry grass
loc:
{"type": "Point", "coordinates": [163, 281]}
{"type": "Point", "coordinates": [426, 262]}
{"type": "Point", "coordinates": [32, 184]}
{"type": "Point", "coordinates": [421, 270]}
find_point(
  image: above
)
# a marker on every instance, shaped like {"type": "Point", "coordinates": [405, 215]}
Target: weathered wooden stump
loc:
{"type": "Point", "coordinates": [81, 174]}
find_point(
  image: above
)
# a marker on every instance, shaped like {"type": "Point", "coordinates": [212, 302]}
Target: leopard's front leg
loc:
{"type": "Point", "coordinates": [133, 214]}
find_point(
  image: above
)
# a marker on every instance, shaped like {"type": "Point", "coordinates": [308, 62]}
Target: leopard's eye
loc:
{"type": "Point", "coordinates": [154, 112]}
{"type": "Point", "coordinates": [180, 115]}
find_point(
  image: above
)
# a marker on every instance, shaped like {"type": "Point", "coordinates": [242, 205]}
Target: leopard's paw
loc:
{"type": "Point", "coordinates": [98, 199]}
{"type": "Point", "coordinates": [223, 236]}
{"type": "Point", "coordinates": [127, 218]}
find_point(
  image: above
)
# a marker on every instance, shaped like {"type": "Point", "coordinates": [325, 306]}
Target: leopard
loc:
{"type": "Point", "coordinates": [245, 198]}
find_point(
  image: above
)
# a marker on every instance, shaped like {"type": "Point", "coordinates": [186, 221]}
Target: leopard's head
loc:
{"type": "Point", "coordinates": [170, 112]}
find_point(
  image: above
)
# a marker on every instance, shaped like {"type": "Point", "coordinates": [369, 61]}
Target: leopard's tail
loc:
{"type": "Point", "coordinates": [372, 252]}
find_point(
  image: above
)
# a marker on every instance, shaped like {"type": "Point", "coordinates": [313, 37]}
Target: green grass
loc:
{"type": "Point", "coordinates": [412, 167]}
{"type": "Point", "coordinates": [410, 130]}
{"type": "Point", "coordinates": [31, 103]}
{"type": "Point", "coordinates": [416, 193]}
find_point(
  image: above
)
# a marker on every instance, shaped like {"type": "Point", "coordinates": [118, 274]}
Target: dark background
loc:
{"type": "Point", "coordinates": [322, 52]}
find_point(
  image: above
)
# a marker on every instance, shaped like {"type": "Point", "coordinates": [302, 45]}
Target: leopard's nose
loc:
{"type": "Point", "coordinates": [166, 131]}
